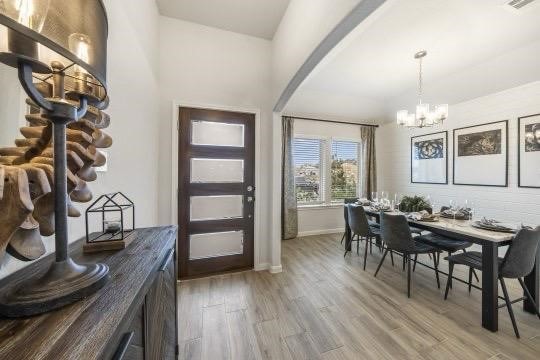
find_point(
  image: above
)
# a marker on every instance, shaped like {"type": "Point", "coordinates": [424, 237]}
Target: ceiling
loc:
{"type": "Point", "coordinates": [377, 66]}
{"type": "Point", "coordinates": [258, 18]}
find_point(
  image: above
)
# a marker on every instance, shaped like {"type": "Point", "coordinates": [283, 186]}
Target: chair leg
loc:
{"type": "Point", "coordinates": [470, 278]}
{"type": "Point", "coordinates": [408, 276]}
{"type": "Point", "coordinates": [358, 246]}
{"type": "Point", "coordinates": [365, 255]}
{"type": "Point", "coordinates": [343, 237]}
{"type": "Point", "coordinates": [380, 264]}
{"type": "Point", "coordinates": [415, 259]}
{"type": "Point", "coordinates": [509, 306]}
{"type": "Point", "coordinates": [403, 263]}
{"type": "Point", "coordinates": [370, 247]}
{"type": "Point", "coordinates": [449, 280]}
{"type": "Point", "coordinates": [473, 271]}
{"type": "Point", "coordinates": [528, 294]}
{"type": "Point", "coordinates": [392, 257]}
{"type": "Point", "coordinates": [436, 263]}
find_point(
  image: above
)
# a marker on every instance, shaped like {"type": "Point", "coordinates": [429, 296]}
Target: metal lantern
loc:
{"type": "Point", "coordinates": [114, 211]}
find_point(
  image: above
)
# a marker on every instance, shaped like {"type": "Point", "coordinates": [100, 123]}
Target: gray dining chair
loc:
{"type": "Point", "coordinates": [360, 227]}
{"type": "Point", "coordinates": [397, 237]}
{"type": "Point", "coordinates": [518, 262]}
{"type": "Point", "coordinates": [346, 214]}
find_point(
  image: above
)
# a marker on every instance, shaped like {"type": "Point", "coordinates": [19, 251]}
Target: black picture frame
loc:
{"type": "Point", "coordinates": [519, 152]}
{"type": "Point", "coordinates": [445, 155]}
{"type": "Point", "coordinates": [454, 154]}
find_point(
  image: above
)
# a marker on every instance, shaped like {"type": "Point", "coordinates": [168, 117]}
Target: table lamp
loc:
{"type": "Point", "coordinates": [63, 43]}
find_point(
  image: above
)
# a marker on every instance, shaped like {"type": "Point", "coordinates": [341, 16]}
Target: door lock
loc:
{"type": "Point", "coordinates": [250, 188]}
{"type": "Point", "coordinates": [250, 198]}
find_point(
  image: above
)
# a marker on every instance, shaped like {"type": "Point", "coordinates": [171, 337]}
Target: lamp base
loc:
{"type": "Point", "coordinates": [64, 283]}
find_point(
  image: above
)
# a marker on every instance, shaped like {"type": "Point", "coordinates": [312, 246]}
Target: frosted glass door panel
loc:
{"type": "Point", "coordinates": [216, 207]}
{"type": "Point", "coordinates": [217, 170]}
{"type": "Point", "coordinates": [202, 246]}
{"type": "Point", "coordinates": [217, 134]}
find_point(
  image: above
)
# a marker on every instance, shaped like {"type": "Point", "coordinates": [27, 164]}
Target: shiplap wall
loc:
{"type": "Point", "coordinates": [511, 203]}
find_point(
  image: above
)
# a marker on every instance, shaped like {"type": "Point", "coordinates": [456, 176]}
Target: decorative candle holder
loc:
{"type": "Point", "coordinates": [112, 210]}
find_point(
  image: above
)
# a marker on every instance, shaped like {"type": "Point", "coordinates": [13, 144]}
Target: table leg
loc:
{"type": "Point", "coordinates": [348, 237]}
{"type": "Point", "coordinates": [490, 289]}
{"type": "Point", "coordinates": [532, 282]}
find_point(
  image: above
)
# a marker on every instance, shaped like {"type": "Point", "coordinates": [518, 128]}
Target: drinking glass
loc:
{"type": "Point", "coordinates": [384, 195]}
{"type": "Point", "coordinates": [397, 200]}
{"type": "Point", "coordinates": [375, 197]}
{"type": "Point", "coordinates": [453, 209]}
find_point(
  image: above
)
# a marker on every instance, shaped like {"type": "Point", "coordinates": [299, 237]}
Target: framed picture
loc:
{"type": "Point", "coordinates": [429, 158]}
{"type": "Point", "coordinates": [529, 151]}
{"type": "Point", "coordinates": [481, 155]}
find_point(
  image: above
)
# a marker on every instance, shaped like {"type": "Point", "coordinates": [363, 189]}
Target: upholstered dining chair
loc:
{"type": "Point", "coordinates": [346, 214]}
{"type": "Point", "coordinates": [360, 227]}
{"type": "Point", "coordinates": [445, 244]}
{"type": "Point", "coordinates": [518, 262]}
{"type": "Point", "coordinates": [397, 237]}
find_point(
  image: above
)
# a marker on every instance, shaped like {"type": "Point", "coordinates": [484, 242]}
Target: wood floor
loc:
{"type": "Point", "coordinates": [323, 306]}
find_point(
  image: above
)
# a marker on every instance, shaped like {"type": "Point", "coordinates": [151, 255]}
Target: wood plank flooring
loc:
{"type": "Point", "coordinates": [324, 306]}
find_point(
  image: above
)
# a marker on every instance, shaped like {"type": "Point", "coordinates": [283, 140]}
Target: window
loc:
{"type": "Point", "coordinates": [326, 170]}
{"type": "Point", "coordinates": [344, 170]}
{"type": "Point", "coordinates": [307, 170]}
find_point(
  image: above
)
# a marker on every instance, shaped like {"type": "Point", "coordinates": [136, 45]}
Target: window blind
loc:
{"type": "Point", "coordinates": [307, 154]}
{"type": "Point", "coordinates": [344, 170]}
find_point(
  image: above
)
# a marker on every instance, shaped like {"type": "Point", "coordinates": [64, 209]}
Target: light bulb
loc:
{"type": "Point", "coordinates": [30, 13]}
{"type": "Point", "coordinates": [422, 110]}
{"type": "Point", "coordinates": [411, 120]}
{"type": "Point", "coordinates": [80, 45]}
{"type": "Point", "coordinates": [442, 112]}
{"type": "Point", "coordinates": [402, 117]}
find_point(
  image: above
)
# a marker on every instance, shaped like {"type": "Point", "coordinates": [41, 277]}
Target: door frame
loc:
{"type": "Point", "coordinates": [257, 265]}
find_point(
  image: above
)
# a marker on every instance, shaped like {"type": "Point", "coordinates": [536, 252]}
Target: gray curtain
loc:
{"type": "Point", "coordinates": [289, 211]}
{"type": "Point", "coordinates": [368, 161]}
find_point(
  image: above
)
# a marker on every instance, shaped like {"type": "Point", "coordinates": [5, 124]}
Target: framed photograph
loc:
{"type": "Point", "coordinates": [529, 151]}
{"type": "Point", "coordinates": [481, 155]}
{"type": "Point", "coordinates": [429, 158]}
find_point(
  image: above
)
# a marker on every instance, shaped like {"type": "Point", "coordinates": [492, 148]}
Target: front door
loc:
{"type": "Point", "coordinates": [216, 183]}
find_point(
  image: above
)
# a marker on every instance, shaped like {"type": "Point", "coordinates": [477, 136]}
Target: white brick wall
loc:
{"type": "Point", "coordinates": [511, 203]}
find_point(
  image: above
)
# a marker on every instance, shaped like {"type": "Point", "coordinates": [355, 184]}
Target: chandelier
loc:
{"type": "Point", "coordinates": [423, 117]}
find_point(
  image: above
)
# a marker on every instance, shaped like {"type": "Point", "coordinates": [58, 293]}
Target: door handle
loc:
{"type": "Point", "coordinates": [250, 199]}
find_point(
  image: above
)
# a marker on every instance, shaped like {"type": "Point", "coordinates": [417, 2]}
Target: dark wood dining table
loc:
{"type": "Point", "coordinates": [490, 241]}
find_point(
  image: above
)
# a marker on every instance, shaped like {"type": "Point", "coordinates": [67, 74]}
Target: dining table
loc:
{"type": "Point", "coordinates": [490, 241]}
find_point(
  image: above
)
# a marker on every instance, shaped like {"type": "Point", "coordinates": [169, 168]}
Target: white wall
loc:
{"type": "Point", "coordinates": [206, 66]}
{"type": "Point", "coordinates": [133, 88]}
{"type": "Point", "coordinates": [511, 203]}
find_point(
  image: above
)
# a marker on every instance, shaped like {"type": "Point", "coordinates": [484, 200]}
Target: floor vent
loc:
{"type": "Point", "coordinates": [519, 4]}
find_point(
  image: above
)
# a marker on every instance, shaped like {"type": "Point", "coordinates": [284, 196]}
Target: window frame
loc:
{"type": "Point", "coordinates": [326, 169]}
{"type": "Point", "coordinates": [322, 170]}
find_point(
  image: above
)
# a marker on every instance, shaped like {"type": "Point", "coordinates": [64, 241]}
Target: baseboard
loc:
{"type": "Point", "coordinates": [261, 267]}
{"type": "Point", "coordinates": [320, 232]}
{"type": "Point", "coordinates": [276, 269]}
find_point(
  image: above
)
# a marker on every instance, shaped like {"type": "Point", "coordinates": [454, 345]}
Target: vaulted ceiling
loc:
{"type": "Point", "coordinates": [474, 48]}
{"type": "Point", "coordinates": [258, 18]}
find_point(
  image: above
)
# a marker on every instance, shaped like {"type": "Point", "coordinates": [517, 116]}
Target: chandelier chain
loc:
{"type": "Point", "coordinates": [420, 80]}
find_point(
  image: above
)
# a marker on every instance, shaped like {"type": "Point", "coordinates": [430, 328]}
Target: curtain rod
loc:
{"type": "Point", "coordinates": [331, 121]}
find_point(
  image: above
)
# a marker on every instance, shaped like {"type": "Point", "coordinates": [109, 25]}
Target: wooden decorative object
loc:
{"type": "Point", "coordinates": [26, 198]}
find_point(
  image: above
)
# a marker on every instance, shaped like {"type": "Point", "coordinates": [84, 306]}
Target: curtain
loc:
{"type": "Point", "coordinates": [289, 211]}
{"type": "Point", "coordinates": [368, 161]}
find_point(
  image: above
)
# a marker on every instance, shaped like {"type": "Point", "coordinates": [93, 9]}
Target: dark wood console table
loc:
{"type": "Point", "coordinates": [132, 317]}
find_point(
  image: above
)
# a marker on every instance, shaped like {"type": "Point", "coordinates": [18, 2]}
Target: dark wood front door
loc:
{"type": "Point", "coordinates": [216, 181]}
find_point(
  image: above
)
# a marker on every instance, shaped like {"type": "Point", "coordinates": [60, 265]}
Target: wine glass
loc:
{"type": "Point", "coordinates": [453, 209]}
{"type": "Point", "coordinates": [397, 200]}
{"type": "Point", "coordinates": [375, 197]}
{"type": "Point", "coordinates": [384, 195]}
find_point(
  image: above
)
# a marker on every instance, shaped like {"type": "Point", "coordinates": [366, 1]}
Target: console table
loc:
{"type": "Point", "coordinates": [132, 317]}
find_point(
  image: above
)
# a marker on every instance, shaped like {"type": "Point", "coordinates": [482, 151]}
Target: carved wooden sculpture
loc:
{"type": "Point", "coordinates": [26, 174]}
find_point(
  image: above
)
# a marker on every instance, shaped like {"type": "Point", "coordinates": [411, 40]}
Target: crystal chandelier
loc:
{"type": "Point", "coordinates": [423, 116]}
